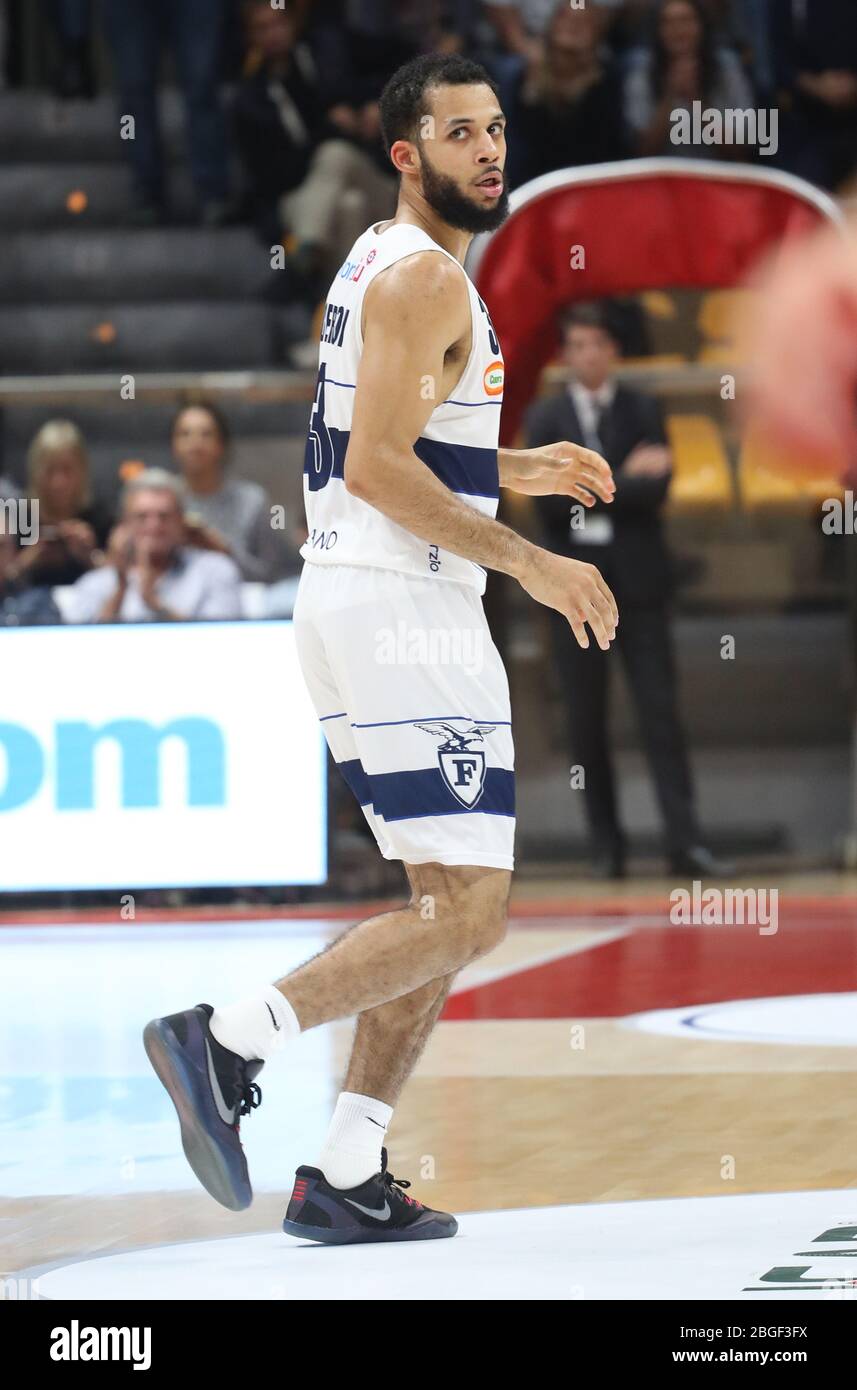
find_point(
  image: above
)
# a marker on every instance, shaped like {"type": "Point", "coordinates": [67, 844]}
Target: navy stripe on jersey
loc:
{"type": "Point", "coordinates": [461, 467]}
{"type": "Point", "coordinates": [409, 795]}
{"type": "Point", "coordinates": [358, 782]}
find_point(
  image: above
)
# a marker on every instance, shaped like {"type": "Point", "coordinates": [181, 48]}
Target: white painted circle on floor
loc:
{"type": "Point", "coordinates": [809, 1020]}
{"type": "Point", "coordinates": [794, 1245]}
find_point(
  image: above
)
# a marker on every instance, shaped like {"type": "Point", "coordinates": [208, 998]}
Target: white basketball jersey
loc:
{"type": "Point", "coordinates": [458, 443]}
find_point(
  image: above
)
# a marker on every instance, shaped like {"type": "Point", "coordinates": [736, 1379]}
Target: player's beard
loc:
{"type": "Point", "coordinates": [443, 195]}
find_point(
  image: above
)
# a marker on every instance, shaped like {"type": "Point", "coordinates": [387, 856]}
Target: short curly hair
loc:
{"type": "Point", "coordinates": [403, 100]}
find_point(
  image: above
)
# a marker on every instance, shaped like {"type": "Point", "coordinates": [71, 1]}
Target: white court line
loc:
{"type": "Point", "coordinates": [474, 977]}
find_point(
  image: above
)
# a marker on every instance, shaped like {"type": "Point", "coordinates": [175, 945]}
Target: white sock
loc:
{"type": "Point", "coordinates": [256, 1027]}
{"type": "Point", "coordinates": [352, 1149]}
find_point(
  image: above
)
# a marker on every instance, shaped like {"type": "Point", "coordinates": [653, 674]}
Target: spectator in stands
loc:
{"type": "Point", "coordinates": [625, 542]}
{"type": "Point", "coordinates": [815, 50]}
{"type": "Point", "coordinates": [683, 66]}
{"type": "Point", "coordinates": [137, 31]}
{"type": "Point", "coordinates": [19, 605]}
{"type": "Point", "coordinates": [521, 25]}
{"type": "Point", "coordinates": [513, 45]}
{"type": "Point", "coordinates": [302, 152]}
{"type": "Point", "coordinates": [152, 573]}
{"type": "Point", "coordinates": [627, 23]}
{"type": "Point", "coordinates": [570, 105]}
{"type": "Point", "coordinates": [228, 514]}
{"type": "Point", "coordinates": [72, 24]}
{"type": "Point", "coordinates": [747, 26]}
{"type": "Point", "coordinates": [71, 531]}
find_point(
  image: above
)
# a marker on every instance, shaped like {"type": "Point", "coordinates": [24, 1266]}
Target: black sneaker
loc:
{"type": "Point", "coordinates": [376, 1210]}
{"type": "Point", "coordinates": [211, 1089]}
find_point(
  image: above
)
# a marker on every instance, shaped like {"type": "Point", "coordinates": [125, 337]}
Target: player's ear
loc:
{"type": "Point", "coordinates": [404, 157]}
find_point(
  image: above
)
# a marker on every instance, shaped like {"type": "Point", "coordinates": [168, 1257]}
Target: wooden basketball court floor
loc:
{"type": "Point", "coordinates": [600, 1064]}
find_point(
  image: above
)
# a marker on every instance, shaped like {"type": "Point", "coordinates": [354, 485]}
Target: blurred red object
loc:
{"type": "Point", "coordinates": [614, 229]}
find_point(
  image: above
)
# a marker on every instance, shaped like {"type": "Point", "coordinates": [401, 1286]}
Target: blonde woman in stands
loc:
{"type": "Point", "coordinates": [71, 531]}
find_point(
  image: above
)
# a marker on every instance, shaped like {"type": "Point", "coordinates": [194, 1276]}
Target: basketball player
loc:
{"type": "Point", "coordinates": [401, 479]}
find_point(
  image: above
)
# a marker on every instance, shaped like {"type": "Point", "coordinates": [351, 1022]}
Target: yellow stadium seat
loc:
{"type": "Point", "coordinates": [701, 473]}
{"type": "Point", "coordinates": [719, 319]}
{"type": "Point", "coordinates": [772, 475]}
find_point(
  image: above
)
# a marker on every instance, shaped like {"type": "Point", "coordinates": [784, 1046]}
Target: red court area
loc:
{"type": "Point", "coordinates": [813, 951]}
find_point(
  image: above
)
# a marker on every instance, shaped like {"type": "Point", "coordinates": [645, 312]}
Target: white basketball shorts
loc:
{"type": "Point", "coordinates": [414, 701]}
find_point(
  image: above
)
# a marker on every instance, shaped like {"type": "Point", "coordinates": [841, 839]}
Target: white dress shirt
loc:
{"type": "Point", "coordinates": [589, 405]}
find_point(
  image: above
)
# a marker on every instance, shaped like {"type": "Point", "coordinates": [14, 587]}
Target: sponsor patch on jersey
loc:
{"type": "Point", "coordinates": [492, 379]}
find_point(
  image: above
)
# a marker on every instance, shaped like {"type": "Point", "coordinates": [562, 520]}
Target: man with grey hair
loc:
{"type": "Point", "coordinates": [151, 573]}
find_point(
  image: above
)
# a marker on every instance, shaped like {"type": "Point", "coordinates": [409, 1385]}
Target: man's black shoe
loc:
{"type": "Point", "coordinates": [211, 1089]}
{"type": "Point", "coordinates": [699, 862]}
{"type": "Point", "coordinates": [608, 863]}
{"type": "Point", "coordinates": [376, 1210]}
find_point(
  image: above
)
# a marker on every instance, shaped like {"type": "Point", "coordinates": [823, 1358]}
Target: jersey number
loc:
{"type": "Point", "coordinates": [318, 463]}
{"type": "Point", "coordinates": [492, 336]}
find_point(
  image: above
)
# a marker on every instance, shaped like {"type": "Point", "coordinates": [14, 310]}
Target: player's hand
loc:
{"type": "Point", "coordinates": [564, 468]}
{"type": "Point", "coordinates": [576, 590]}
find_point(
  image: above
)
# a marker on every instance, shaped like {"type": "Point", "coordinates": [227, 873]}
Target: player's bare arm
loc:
{"type": "Point", "coordinates": [563, 468]}
{"type": "Point", "coordinates": [416, 335]}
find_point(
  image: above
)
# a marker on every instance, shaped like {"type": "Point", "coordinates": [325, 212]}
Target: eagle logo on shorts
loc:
{"type": "Point", "coordinates": [461, 767]}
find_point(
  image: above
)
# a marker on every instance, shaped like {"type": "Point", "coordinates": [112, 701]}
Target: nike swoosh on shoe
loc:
{"type": "Point", "coordinates": [379, 1213]}
{"type": "Point", "coordinates": [223, 1110]}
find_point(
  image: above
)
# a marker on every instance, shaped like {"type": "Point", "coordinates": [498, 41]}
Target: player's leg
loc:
{"type": "Point", "coordinates": [397, 952]}
{"type": "Point", "coordinates": [208, 1061]}
{"type": "Point", "coordinates": [428, 806]}
{"type": "Point", "coordinates": [210, 1071]}
{"type": "Point", "coordinates": [350, 1196]}
{"type": "Point", "coordinates": [390, 1038]}
{"type": "Point", "coordinates": [406, 774]}
{"type": "Point", "coordinates": [388, 1041]}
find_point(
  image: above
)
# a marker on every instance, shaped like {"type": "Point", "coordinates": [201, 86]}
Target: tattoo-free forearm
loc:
{"type": "Point", "coordinates": [406, 491]}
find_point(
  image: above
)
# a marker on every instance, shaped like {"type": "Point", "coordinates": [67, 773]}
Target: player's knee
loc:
{"type": "Point", "coordinates": [471, 906]}
{"type": "Point", "coordinates": [488, 932]}
{"type": "Point", "coordinates": [484, 916]}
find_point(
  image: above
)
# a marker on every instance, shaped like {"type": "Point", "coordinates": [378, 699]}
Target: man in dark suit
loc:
{"type": "Point", "coordinates": [625, 541]}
